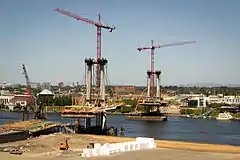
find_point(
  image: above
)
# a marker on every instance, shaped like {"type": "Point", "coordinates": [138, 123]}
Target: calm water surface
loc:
{"type": "Point", "coordinates": [176, 128]}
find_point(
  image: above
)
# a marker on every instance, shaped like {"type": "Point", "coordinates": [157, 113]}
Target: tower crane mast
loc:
{"type": "Point", "coordinates": [27, 80]}
{"type": "Point", "coordinates": [152, 48]}
{"type": "Point", "coordinates": [99, 26]}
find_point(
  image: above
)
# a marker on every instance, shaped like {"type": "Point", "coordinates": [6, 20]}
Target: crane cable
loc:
{"type": "Point", "coordinates": [108, 83]}
{"type": "Point", "coordinates": [141, 95]}
{"type": "Point", "coordinates": [84, 82]}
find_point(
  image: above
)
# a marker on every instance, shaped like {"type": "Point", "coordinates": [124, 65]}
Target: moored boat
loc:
{"type": "Point", "coordinates": [224, 116]}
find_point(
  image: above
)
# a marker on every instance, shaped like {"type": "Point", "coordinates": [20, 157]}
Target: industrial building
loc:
{"type": "Point", "coordinates": [200, 100]}
{"type": "Point", "coordinates": [125, 89]}
{"type": "Point", "coordinates": [197, 102]}
{"type": "Point", "coordinates": [232, 100]}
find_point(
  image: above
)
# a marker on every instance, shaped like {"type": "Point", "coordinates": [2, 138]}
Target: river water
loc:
{"type": "Point", "coordinates": [176, 128]}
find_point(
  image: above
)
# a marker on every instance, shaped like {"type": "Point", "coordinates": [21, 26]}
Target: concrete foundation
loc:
{"type": "Point", "coordinates": [87, 123]}
{"type": "Point", "coordinates": [102, 63]}
{"type": "Point", "coordinates": [89, 63]}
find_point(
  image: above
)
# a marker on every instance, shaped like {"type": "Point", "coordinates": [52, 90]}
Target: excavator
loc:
{"type": "Point", "coordinates": [39, 114]}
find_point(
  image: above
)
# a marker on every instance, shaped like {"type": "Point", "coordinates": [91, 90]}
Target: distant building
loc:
{"type": "Point", "coordinates": [46, 85]}
{"type": "Point", "coordinates": [232, 100]}
{"type": "Point", "coordinates": [125, 89]}
{"type": "Point", "coordinates": [77, 98]}
{"type": "Point", "coordinates": [15, 85]}
{"type": "Point", "coordinates": [60, 84]}
{"type": "Point", "coordinates": [35, 85]}
{"type": "Point", "coordinates": [195, 100]}
{"type": "Point", "coordinates": [214, 99]}
{"type": "Point", "coordinates": [22, 100]}
{"type": "Point", "coordinates": [199, 100]}
{"type": "Point", "coordinates": [5, 85]}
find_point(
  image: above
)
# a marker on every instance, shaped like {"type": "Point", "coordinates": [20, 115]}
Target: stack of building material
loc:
{"type": "Point", "coordinates": [107, 149]}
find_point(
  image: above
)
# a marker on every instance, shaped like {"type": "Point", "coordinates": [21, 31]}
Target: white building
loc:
{"type": "Point", "coordinates": [195, 100]}
{"type": "Point", "coordinates": [223, 99]}
{"type": "Point", "coordinates": [200, 100]}
{"type": "Point", "coordinates": [4, 99]}
{"type": "Point", "coordinates": [230, 100]}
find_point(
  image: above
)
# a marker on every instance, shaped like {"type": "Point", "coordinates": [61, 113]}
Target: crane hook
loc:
{"type": "Point", "coordinates": [112, 28]}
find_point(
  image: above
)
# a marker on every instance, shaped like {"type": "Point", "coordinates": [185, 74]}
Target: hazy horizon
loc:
{"type": "Point", "coordinates": [53, 46]}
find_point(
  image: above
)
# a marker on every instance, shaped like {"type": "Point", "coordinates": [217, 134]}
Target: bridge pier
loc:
{"type": "Point", "coordinates": [87, 122]}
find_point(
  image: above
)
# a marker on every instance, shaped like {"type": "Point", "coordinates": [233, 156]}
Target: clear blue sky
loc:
{"type": "Point", "coordinates": [53, 46]}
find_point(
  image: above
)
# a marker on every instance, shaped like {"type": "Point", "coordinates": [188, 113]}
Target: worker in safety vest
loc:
{"type": "Point", "coordinates": [64, 147]}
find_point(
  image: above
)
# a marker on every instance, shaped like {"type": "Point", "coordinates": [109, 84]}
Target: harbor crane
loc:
{"type": "Point", "coordinates": [27, 80]}
{"type": "Point", "coordinates": [99, 26]}
{"type": "Point", "coordinates": [152, 48]}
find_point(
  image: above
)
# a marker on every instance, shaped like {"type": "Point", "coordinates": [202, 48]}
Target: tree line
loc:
{"type": "Point", "coordinates": [64, 100]}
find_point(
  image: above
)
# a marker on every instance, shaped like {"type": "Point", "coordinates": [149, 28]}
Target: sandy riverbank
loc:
{"type": "Point", "coordinates": [47, 147]}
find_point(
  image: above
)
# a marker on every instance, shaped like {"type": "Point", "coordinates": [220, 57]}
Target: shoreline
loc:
{"type": "Point", "coordinates": [47, 147]}
{"type": "Point", "coordinates": [79, 141]}
{"type": "Point", "coordinates": [177, 145]}
{"type": "Point", "coordinates": [118, 113]}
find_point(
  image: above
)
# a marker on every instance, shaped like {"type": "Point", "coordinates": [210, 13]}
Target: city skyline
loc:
{"type": "Point", "coordinates": [53, 46]}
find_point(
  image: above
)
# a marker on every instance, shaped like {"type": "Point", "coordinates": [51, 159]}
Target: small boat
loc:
{"type": "Point", "coordinates": [190, 116]}
{"type": "Point", "coordinates": [224, 116]}
{"type": "Point", "coordinates": [16, 151]}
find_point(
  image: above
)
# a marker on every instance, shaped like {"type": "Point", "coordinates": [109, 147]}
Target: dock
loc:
{"type": "Point", "coordinates": [26, 129]}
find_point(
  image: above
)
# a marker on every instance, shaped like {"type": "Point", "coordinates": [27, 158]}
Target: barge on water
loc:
{"type": "Point", "coordinates": [12, 135]}
{"type": "Point", "coordinates": [152, 116]}
{"type": "Point", "coordinates": [146, 118]}
{"type": "Point", "coordinates": [26, 129]}
{"type": "Point", "coordinates": [151, 110]}
{"type": "Point", "coordinates": [88, 113]}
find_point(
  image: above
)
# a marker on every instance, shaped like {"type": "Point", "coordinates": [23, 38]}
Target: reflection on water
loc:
{"type": "Point", "coordinates": [176, 128]}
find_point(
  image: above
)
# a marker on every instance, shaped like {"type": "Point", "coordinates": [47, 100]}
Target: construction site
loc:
{"type": "Point", "coordinates": [97, 102]}
{"type": "Point", "coordinates": [94, 103]}
{"type": "Point", "coordinates": [99, 120]}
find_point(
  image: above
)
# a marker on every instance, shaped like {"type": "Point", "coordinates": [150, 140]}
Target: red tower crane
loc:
{"type": "Point", "coordinates": [99, 26]}
{"type": "Point", "coordinates": [27, 80]}
{"type": "Point", "coordinates": [152, 48]}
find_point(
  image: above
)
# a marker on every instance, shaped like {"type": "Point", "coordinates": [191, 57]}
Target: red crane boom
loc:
{"type": "Point", "coordinates": [27, 80]}
{"type": "Point", "coordinates": [152, 48]}
{"type": "Point", "coordinates": [99, 33]}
